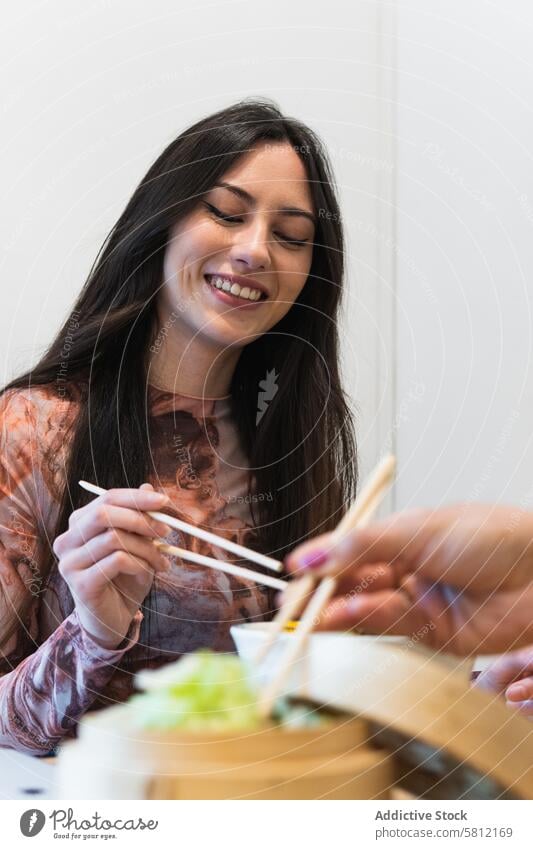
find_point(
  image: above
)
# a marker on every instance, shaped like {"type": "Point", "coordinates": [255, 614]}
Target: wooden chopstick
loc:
{"type": "Point", "coordinates": [222, 566]}
{"type": "Point", "coordinates": [358, 515]}
{"type": "Point", "coordinates": [320, 598]}
{"type": "Point", "coordinates": [295, 594]}
{"type": "Point", "coordinates": [207, 536]}
{"type": "Point", "coordinates": [370, 496]}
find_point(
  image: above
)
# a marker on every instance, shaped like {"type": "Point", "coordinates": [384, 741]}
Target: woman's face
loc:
{"type": "Point", "coordinates": [263, 244]}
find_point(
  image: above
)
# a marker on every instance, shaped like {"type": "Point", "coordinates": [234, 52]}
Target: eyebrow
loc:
{"type": "Point", "coordinates": [286, 210]}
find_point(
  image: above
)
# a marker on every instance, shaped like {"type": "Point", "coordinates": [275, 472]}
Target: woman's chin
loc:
{"type": "Point", "coordinates": [221, 330]}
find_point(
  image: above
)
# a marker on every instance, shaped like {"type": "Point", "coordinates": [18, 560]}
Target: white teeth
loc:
{"type": "Point", "coordinates": [244, 292]}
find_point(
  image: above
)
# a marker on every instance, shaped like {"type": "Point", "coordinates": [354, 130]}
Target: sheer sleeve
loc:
{"type": "Point", "coordinates": [45, 686]}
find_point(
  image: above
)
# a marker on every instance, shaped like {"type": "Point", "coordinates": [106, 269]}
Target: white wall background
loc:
{"type": "Point", "coordinates": [464, 251]}
{"type": "Point", "coordinates": [90, 94]}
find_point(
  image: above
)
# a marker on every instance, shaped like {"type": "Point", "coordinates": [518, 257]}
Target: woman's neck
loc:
{"type": "Point", "coordinates": [192, 367]}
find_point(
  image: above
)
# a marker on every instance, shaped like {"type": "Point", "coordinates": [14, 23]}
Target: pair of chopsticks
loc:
{"type": "Point", "coordinates": [295, 592]}
{"type": "Point", "coordinates": [298, 591]}
{"type": "Point", "coordinates": [214, 539]}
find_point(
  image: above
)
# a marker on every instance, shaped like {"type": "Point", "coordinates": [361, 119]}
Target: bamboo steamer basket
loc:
{"type": "Point", "coordinates": [112, 760]}
{"type": "Point", "coordinates": [392, 683]}
{"type": "Point", "coordinates": [426, 696]}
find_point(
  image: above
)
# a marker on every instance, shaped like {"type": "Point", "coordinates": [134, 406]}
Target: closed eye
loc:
{"type": "Point", "coordinates": [235, 219]}
{"type": "Point", "coordinates": [232, 218]}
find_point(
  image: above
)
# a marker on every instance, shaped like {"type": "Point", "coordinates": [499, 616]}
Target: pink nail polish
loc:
{"type": "Point", "coordinates": [313, 559]}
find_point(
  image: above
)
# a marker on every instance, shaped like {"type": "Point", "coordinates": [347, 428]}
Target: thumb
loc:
{"type": "Point", "coordinates": [146, 486]}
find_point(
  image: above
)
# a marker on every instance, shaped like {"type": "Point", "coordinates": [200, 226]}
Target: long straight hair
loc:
{"type": "Point", "coordinates": [302, 451]}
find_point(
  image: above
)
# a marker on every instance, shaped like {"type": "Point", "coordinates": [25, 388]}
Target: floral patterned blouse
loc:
{"type": "Point", "coordinates": [51, 670]}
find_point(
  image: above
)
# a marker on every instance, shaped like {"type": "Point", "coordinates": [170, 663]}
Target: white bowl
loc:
{"type": "Point", "coordinates": [328, 656]}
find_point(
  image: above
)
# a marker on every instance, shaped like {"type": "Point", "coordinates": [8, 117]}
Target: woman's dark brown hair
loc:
{"type": "Point", "coordinates": [302, 452]}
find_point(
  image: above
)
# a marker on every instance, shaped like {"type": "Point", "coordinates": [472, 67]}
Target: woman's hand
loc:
{"type": "Point", "coordinates": [512, 676]}
{"type": "Point", "coordinates": [460, 577]}
{"type": "Point", "coordinates": [108, 559]}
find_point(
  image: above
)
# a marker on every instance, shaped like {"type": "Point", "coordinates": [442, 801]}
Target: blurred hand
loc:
{"type": "Point", "coordinates": [108, 559]}
{"type": "Point", "coordinates": [512, 676]}
{"type": "Point", "coordinates": [460, 577]}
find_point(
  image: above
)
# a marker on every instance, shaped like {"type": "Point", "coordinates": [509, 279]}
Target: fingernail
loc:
{"type": "Point", "coordinates": [516, 693]}
{"type": "Point", "coordinates": [158, 497]}
{"type": "Point", "coordinates": [311, 559]}
{"type": "Point", "coordinates": [162, 528]}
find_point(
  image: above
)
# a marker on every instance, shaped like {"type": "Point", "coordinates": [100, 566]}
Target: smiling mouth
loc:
{"type": "Point", "coordinates": [244, 293]}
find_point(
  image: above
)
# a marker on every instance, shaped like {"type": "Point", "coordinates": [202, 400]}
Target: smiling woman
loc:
{"type": "Point", "coordinates": [203, 363]}
{"type": "Point", "coordinates": [236, 228]}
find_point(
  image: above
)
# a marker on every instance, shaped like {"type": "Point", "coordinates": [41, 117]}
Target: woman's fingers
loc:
{"type": "Point", "coordinates": [380, 612]}
{"type": "Point", "coordinates": [113, 539]}
{"type": "Point", "coordinates": [519, 696]}
{"type": "Point", "coordinates": [144, 498]}
{"type": "Point", "coordinates": [89, 583]}
{"type": "Point", "coordinates": [509, 668]}
{"type": "Point", "coordinates": [396, 540]}
{"type": "Point", "coordinates": [512, 675]}
{"type": "Point", "coordinates": [116, 508]}
{"type": "Point", "coordinates": [103, 516]}
{"type": "Point", "coordinates": [370, 578]}
{"type": "Point", "coordinates": [525, 708]}
{"type": "Point", "coordinates": [520, 691]}
{"type": "Point", "coordinates": [312, 554]}
{"type": "Point", "coordinates": [477, 547]}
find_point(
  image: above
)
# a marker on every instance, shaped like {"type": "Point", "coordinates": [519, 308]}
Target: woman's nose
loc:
{"type": "Point", "coordinates": [252, 247]}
